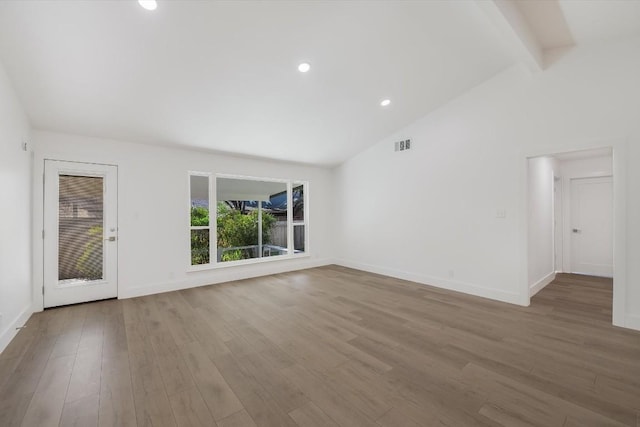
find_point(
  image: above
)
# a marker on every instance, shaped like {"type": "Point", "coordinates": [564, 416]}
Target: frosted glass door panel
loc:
{"type": "Point", "coordinates": [80, 228]}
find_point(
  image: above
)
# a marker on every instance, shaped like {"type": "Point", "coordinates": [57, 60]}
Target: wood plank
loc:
{"type": "Point", "coordinates": [262, 407]}
{"type": "Point", "coordinates": [515, 401]}
{"type": "Point", "coordinates": [239, 419]}
{"type": "Point", "coordinates": [117, 408]}
{"type": "Point", "coordinates": [69, 338]}
{"type": "Point", "coordinates": [309, 415]}
{"type": "Point", "coordinates": [13, 408]}
{"type": "Point", "coordinates": [7, 368]}
{"type": "Point", "coordinates": [85, 377]}
{"type": "Point", "coordinates": [82, 412]}
{"type": "Point", "coordinates": [219, 397]}
{"type": "Point", "coordinates": [362, 388]}
{"type": "Point", "coordinates": [153, 409]}
{"type": "Point", "coordinates": [326, 398]}
{"type": "Point", "coordinates": [47, 402]}
{"type": "Point", "coordinates": [396, 418]}
{"type": "Point", "coordinates": [281, 391]}
{"type": "Point", "coordinates": [190, 410]}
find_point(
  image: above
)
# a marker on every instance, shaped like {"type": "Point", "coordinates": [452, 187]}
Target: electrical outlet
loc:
{"type": "Point", "coordinates": [401, 145]}
{"type": "Point", "coordinates": [451, 274]}
{"type": "Point", "coordinates": [407, 144]}
{"type": "Point", "coordinates": [0, 319]}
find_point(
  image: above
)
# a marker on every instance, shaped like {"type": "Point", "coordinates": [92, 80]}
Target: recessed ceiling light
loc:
{"type": "Point", "coordinates": [304, 67]}
{"type": "Point", "coordinates": [148, 4]}
{"type": "Point", "coordinates": [385, 102]}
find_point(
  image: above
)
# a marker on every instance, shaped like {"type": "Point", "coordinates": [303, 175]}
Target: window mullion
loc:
{"type": "Point", "coordinates": [213, 222]}
{"type": "Point", "coordinates": [290, 248]}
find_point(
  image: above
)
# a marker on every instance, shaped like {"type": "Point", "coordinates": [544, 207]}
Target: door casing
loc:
{"type": "Point", "coordinates": [54, 293]}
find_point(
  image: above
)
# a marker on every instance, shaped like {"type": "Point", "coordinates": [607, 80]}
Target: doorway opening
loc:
{"type": "Point", "coordinates": [570, 218]}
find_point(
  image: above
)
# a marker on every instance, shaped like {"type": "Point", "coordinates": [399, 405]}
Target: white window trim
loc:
{"type": "Point", "coordinates": [305, 221]}
{"type": "Point", "coordinates": [213, 237]}
{"type": "Point", "coordinates": [190, 227]}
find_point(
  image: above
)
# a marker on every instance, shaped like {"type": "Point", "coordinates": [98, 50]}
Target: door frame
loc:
{"type": "Point", "coordinates": [558, 225]}
{"type": "Point", "coordinates": [619, 147]}
{"type": "Point", "coordinates": [72, 293]}
{"type": "Point", "coordinates": [37, 218]}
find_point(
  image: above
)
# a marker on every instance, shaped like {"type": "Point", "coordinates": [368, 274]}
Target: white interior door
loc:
{"type": "Point", "coordinates": [592, 226]}
{"type": "Point", "coordinates": [80, 232]}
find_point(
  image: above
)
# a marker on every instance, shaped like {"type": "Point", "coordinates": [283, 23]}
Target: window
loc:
{"type": "Point", "coordinates": [255, 218]}
{"type": "Point", "coordinates": [298, 217]}
{"type": "Point", "coordinates": [80, 224]}
{"type": "Point", "coordinates": [252, 219]}
{"type": "Point", "coordinates": [200, 228]}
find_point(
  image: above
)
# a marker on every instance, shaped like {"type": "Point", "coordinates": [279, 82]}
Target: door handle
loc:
{"type": "Point", "coordinates": [576, 230]}
{"type": "Point", "coordinates": [111, 239]}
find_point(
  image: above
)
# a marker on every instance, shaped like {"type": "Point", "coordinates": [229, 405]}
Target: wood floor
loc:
{"type": "Point", "coordinates": [326, 347]}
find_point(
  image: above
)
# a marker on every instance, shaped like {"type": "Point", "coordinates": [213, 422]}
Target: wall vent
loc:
{"type": "Point", "coordinates": [403, 145]}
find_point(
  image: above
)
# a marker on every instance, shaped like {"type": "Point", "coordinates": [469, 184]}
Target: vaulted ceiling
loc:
{"type": "Point", "coordinates": [223, 75]}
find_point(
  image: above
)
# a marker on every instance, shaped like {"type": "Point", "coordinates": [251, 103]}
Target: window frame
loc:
{"type": "Point", "coordinates": [305, 220]}
{"type": "Point", "coordinates": [208, 175]}
{"type": "Point", "coordinates": [213, 237]}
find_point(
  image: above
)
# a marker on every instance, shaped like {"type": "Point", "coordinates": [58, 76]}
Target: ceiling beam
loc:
{"type": "Point", "coordinates": [512, 25]}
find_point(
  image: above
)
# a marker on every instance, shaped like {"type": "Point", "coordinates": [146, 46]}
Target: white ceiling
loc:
{"type": "Point", "coordinates": [223, 75]}
{"type": "Point", "coordinates": [593, 21]}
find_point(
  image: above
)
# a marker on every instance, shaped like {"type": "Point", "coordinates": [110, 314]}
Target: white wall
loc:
{"type": "Point", "coordinates": [571, 169]}
{"type": "Point", "coordinates": [153, 201]}
{"type": "Point", "coordinates": [541, 253]}
{"type": "Point", "coordinates": [558, 217]}
{"type": "Point", "coordinates": [430, 214]}
{"type": "Point", "coordinates": [15, 214]}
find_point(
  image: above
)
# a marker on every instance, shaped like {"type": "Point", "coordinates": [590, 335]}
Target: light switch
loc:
{"type": "Point", "coordinates": [501, 213]}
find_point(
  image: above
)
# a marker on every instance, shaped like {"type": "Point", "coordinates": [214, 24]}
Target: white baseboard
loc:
{"type": "Point", "coordinates": [214, 276]}
{"type": "Point", "coordinates": [540, 284]}
{"type": "Point", "coordinates": [633, 321]}
{"type": "Point", "coordinates": [454, 285]}
{"type": "Point", "coordinates": [10, 331]}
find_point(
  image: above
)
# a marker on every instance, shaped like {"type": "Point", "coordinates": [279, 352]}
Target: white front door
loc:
{"type": "Point", "coordinates": [80, 232]}
{"type": "Point", "coordinates": [592, 226]}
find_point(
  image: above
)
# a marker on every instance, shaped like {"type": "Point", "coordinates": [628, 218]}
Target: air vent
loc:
{"type": "Point", "coordinates": [403, 145]}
